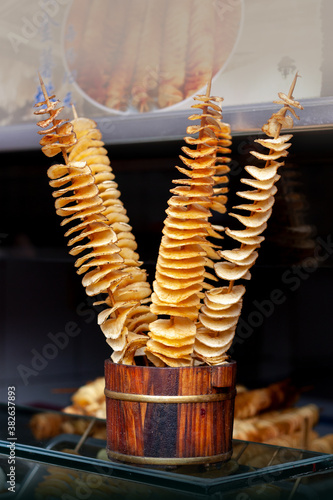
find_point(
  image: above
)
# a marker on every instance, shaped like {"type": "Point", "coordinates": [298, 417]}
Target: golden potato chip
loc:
{"type": "Point", "coordinates": [114, 259]}
{"type": "Point", "coordinates": [254, 240]}
{"type": "Point", "coordinates": [173, 362]}
{"type": "Point", "coordinates": [207, 286]}
{"type": "Point", "coordinates": [173, 328]}
{"type": "Point", "coordinates": [113, 327]}
{"type": "Point", "coordinates": [187, 252]}
{"type": "Point", "coordinates": [108, 281]}
{"type": "Point", "coordinates": [119, 343]}
{"type": "Point", "coordinates": [145, 318]}
{"type": "Point", "coordinates": [217, 207]}
{"type": "Point", "coordinates": [179, 201]}
{"type": "Point", "coordinates": [93, 228]}
{"type": "Point", "coordinates": [261, 184]}
{"type": "Point", "coordinates": [270, 156]}
{"type": "Point", "coordinates": [154, 359]}
{"type": "Point", "coordinates": [208, 351]}
{"type": "Point", "coordinates": [116, 208]}
{"type": "Point", "coordinates": [83, 144]}
{"type": "Point", "coordinates": [211, 253]}
{"type": "Point", "coordinates": [96, 275]}
{"type": "Point", "coordinates": [198, 153]}
{"type": "Point", "coordinates": [230, 272]}
{"type": "Point", "coordinates": [114, 217]}
{"type": "Point", "coordinates": [119, 227]}
{"type": "Point", "coordinates": [78, 182]}
{"type": "Point", "coordinates": [263, 173]}
{"type": "Point", "coordinates": [170, 242]}
{"type": "Point", "coordinates": [214, 234]}
{"type": "Point", "coordinates": [175, 310]}
{"type": "Point", "coordinates": [254, 220]}
{"type": "Point", "coordinates": [83, 194]}
{"type": "Point", "coordinates": [175, 296]}
{"type": "Point", "coordinates": [178, 283]}
{"type": "Point", "coordinates": [204, 181]}
{"type": "Point", "coordinates": [98, 168]}
{"type": "Point", "coordinates": [224, 296]}
{"type": "Point", "coordinates": [104, 315]}
{"type": "Point", "coordinates": [194, 174]}
{"type": "Point", "coordinates": [237, 256]}
{"type": "Point", "coordinates": [70, 170]}
{"type": "Point", "coordinates": [193, 191]}
{"type": "Point", "coordinates": [87, 134]}
{"type": "Point", "coordinates": [134, 342]}
{"type": "Point", "coordinates": [218, 324]}
{"type": "Point", "coordinates": [91, 205]}
{"type": "Point", "coordinates": [137, 291]}
{"type": "Point", "coordinates": [191, 301]}
{"type": "Point", "coordinates": [169, 351]}
{"type": "Point", "coordinates": [101, 177]}
{"type": "Point", "coordinates": [107, 250]}
{"type": "Point", "coordinates": [258, 195]}
{"type": "Point", "coordinates": [127, 235]}
{"type": "Point", "coordinates": [220, 179]}
{"type": "Point", "coordinates": [215, 339]}
{"type": "Point", "coordinates": [111, 202]}
{"type": "Point", "coordinates": [91, 151]}
{"type": "Point", "coordinates": [82, 124]}
{"type": "Point", "coordinates": [226, 312]}
{"type": "Point", "coordinates": [247, 232]}
{"type": "Point", "coordinates": [172, 222]}
{"type": "Point", "coordinates": [213, 361]}
{"type": "Point", "coordinates": [173, 341]}
{"type": "Point", "coordinates": [97, 239]}
{"type": "Point", "coordinates": [128, 243]}
{"type": "Point", "coordinates": [181, 234]}
{"type": "Point", "coordinates": [177, 273]}
{"type": "Point", "coordinates": [189, 263]}
{"type": "Point", "coordinates": [191, 212]}
{"type": "Point", "coordinates": [258, 206]}
{"type": "Point", "coordinates": [213, 305]}
{"type": "Point", "coordinates": [97, 159]}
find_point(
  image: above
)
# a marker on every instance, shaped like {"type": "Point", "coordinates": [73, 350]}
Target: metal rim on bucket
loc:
{"type": "Point", "coordinates": [134, 459]}
{"type": "Point", "coordinates": [150, 398]}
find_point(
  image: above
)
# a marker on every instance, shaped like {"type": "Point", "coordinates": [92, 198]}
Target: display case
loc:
{"type": "Point", "coordinates": [44, 470]}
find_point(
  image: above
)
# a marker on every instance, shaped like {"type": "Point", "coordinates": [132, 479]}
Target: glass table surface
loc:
{"type": "Point", "coordinates": [46, 468]}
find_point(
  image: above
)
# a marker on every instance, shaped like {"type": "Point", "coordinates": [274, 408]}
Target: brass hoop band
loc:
{"type": "Point", "coordinates": [121, 457]}
{"type": "Point", "coordinates": [152, 398]}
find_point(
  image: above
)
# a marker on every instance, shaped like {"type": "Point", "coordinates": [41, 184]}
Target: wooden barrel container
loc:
{"type": "Point", "coordinates": [169, 416]}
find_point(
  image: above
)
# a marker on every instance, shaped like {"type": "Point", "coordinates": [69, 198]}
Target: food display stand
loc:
{"type": "Point", "coordinates": [255, 470]}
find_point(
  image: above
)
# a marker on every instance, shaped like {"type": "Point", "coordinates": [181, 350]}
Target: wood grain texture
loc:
{"type": "Point", "coordinates": [181, 430]}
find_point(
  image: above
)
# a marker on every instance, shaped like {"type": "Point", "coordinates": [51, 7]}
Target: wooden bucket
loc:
{"type": "Point", "coordinates": [169, 416]}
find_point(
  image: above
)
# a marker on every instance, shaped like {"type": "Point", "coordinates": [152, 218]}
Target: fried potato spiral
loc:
{"type": "Point", "coordinates": [185, 249]}
{"type": "Point", "coordinates": [86, 196]}
{"type": "Point", "coordinates": [219, 324]}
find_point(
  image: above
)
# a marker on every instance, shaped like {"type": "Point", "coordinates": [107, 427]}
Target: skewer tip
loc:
{"type": "Point", "coordinates": [293, 84]}
{"type": "Point", "coordinates": [74, 112]}
{"type": "Point", "coordinates": [209, 85]}
{"type": "Point", "coordinates": [42, 85]}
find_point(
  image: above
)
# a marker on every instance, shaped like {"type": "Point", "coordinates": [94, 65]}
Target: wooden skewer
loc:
{"type": "Point", "coordinates": [82, 439]}
{"type": "Point", "coordinates": [74, 112]}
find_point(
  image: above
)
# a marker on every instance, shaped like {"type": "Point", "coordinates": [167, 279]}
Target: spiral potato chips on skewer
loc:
{"type": "Point", "coordinates": [108, 266]}
{"type": "Point", "coordinates": [222, 307]}
{"type": "Point", "coordinates": [185, 249]}
{"type": "Point", "coordinates": [90, 148]}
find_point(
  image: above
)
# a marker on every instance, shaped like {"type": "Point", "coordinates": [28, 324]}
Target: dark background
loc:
{"type": "Point", "coordinates": [41, 293]}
